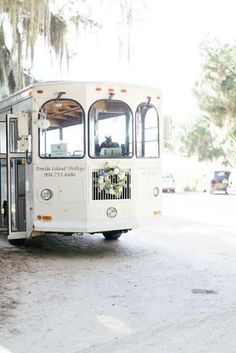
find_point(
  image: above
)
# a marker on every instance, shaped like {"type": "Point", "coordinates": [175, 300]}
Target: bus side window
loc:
{"type": "Point", "coordinates": [147, 121]}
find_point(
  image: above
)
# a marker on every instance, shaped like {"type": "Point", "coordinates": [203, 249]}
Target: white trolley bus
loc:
{"type": "Point", "coordinates": [79, 157]}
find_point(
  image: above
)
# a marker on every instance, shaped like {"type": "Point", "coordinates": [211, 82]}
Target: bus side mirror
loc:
{"type": "Point", "coordinates": [43, 124]}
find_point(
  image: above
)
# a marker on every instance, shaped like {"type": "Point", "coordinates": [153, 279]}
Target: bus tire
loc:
{"type": "Point", "coordinates": [112, 235]}
{"type": "Point", "coordinates": [17, 242]}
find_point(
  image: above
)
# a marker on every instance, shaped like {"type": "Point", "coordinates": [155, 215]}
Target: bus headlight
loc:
{"type": "Point", "coordinates": [156, 191]}
{"type": "Point", "coordinates": [46, 194]}
{"type": "Point", "coordinates": [111, 212]}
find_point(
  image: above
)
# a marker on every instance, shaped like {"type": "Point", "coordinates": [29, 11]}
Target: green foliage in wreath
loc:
{"type": "Point", "coordinates": [110, 179]}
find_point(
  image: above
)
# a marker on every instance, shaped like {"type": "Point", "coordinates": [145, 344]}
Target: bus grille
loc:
{"type": "Point", "coordinates": [102, 195]}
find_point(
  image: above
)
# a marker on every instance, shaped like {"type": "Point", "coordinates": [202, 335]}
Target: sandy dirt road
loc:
{"type": "Point", "coordinates": [163, 290]}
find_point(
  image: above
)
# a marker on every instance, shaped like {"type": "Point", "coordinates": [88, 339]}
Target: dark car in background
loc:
{"type": "Point", "coordinates": [219, 181]}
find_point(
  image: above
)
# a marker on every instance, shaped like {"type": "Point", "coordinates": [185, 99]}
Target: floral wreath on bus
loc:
{"type": "Point", "coordinates": [110, 179]}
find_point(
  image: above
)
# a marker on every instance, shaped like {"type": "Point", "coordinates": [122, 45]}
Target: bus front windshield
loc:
{"type": "Point", "coordinates": [64, 138]}
{"type": "Point", "coordinates": [110, 129]}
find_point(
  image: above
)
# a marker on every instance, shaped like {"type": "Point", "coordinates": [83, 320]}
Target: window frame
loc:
{"type": "Point", "coordinates": [132, 130]}
{"type": "Point", "coordinates": [136, 132]}
{"type": "Point", "coordinates": [84, 133]}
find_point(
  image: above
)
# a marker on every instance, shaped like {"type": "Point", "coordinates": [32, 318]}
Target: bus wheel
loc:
{"type": "Point", "coordinates": [17, 242]}
{"type": "Point", "coordinates": [112, 235]}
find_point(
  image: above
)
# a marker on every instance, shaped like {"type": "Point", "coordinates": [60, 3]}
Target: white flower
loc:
{"type": "Point", "coordinates": [100, 180]}
{"type": "Point", "coordinates": [121, 175]}
{"type": "Point", "coordinates": [116, 171]}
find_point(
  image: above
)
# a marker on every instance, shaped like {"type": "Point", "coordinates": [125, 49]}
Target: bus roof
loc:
{"type": "Point", "coordinates": [27, 91]}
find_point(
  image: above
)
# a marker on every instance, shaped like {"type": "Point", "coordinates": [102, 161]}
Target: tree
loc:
{"type": "Point", "coordinates": [129, 16]}
{"type": "Point", "coordinates": [22, 23]}
{"type": "Point", "coordinates": [216, 89]}
{"type": "Point", "coordinates": [201, 139]}
{"type": "Point", "coordinates": [216, 92]}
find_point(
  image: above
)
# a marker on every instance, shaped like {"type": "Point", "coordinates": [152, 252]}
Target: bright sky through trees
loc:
{"type": "Point", "coordinates": [164, 49]}
{"type": "Point", "coordinates": [180, 26]}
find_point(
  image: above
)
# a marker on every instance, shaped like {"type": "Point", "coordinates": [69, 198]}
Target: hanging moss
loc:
{"type": "Point", "coordinates": [11, 81]}
{"type": "Point", "coordinates": [28, 20]}
{"type": "Point", "coordinates": [5, 62]}
{"type": "Point", "coordinates": [58, 30]}
{"type": "Point", "coordinates": [20, 19]}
